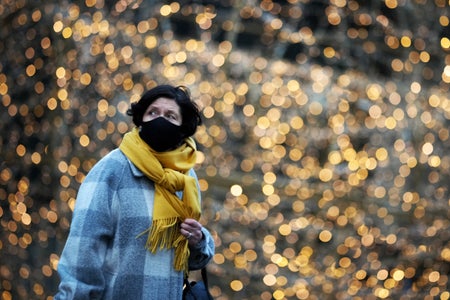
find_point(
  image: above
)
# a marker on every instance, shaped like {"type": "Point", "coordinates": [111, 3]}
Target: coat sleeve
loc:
{"type": "Point", "coordinates": [202, 253]}
{"type": "Point", "coordinates": [92, 228]}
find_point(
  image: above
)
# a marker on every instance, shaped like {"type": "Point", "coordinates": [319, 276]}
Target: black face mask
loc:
{"type": "Point", "coordinates": [160, 134]}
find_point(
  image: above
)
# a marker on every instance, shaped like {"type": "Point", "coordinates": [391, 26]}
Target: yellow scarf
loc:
{"type": "Point", "coordinates": [168, 170]}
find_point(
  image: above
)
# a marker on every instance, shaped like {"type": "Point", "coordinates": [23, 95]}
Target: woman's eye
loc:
{"type": "Point", "coordinates": [171, 116]}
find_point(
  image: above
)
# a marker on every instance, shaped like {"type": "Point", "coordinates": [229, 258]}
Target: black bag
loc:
{"type": "Point", "coordinates": [197, 290]}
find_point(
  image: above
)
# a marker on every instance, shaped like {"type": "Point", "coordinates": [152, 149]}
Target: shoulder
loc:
{"type": "Point", "coordinates": [110, 174]}
{"type": "Point", "coordinates": [112, 158]}
{"type": "Point", "coordinates": [114, 164]}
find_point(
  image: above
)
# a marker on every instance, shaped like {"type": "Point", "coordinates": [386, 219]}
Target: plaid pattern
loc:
{"type": "Point", "coordinates": [103, 258]}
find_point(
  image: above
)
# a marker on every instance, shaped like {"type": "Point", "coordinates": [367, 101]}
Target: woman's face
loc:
{"type": "Point", "coordinates": [163, 107]}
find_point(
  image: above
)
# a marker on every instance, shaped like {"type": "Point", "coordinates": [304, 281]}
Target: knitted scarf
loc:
{"type": "Point", "coordinates": [168, 170]}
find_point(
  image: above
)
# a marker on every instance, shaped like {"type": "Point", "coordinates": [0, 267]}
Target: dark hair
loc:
{"type": "Point", "coordinates": [189, 111]}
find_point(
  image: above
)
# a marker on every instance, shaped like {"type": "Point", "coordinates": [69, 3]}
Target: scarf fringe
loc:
{"type": "Point", "coordinates": [165, 234]}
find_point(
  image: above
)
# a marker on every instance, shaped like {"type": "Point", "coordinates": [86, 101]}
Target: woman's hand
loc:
{"type": "Point", "coordinates": [192, 230]}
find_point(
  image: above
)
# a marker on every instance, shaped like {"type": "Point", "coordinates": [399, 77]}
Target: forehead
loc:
{"type": "Point", "coordinates": [165, 103]}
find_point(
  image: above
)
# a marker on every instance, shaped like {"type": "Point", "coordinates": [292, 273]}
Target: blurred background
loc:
{"type": "Point", "coordinates": [324, 154]}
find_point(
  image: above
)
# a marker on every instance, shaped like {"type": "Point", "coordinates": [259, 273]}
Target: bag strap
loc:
{"type": "Point", "coordinates": [205, 277]}
{"type": "Point", "coordinates": [205, 282]}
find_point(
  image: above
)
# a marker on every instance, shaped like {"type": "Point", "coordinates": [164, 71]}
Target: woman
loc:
{"type": "Point", "coordinates": [135, 230]}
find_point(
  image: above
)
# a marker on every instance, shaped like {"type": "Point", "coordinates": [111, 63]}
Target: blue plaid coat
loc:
{"type": "Point", "coordinates": [103, 257]}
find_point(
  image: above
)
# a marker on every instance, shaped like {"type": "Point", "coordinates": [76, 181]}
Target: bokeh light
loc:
{"type": "Point", "coordinates": [324, 154]}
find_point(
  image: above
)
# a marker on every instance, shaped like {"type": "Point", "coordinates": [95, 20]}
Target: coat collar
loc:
{"type": "Point", "coordinates": [136, 172]}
